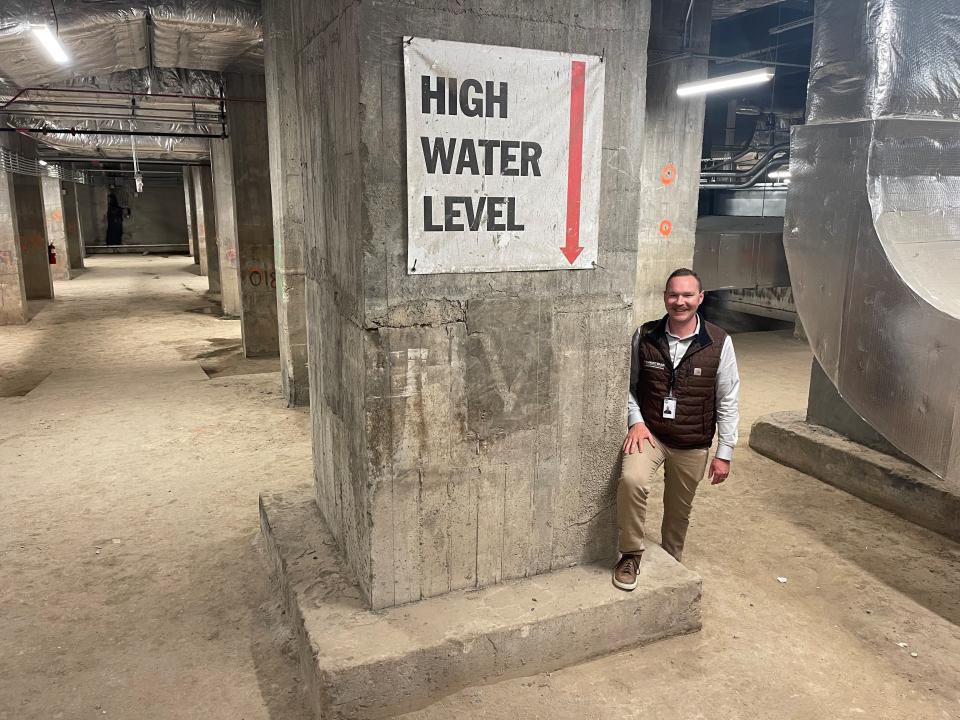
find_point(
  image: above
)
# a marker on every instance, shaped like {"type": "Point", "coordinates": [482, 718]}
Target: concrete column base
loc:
{"type": "Point", "coordinates": [358, 663]}
{"type": "Point", "coordinates": [883, 480]}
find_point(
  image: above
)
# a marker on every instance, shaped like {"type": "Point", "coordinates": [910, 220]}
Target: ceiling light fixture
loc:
{"type": "Point", "coordinates": [782, 174]}
{"type": "Point", "coordinates": [725, 82]}
{"type": "Point", "coordinates": [43, 162]}
{"type": "Point", "coordinates": [51, 44]}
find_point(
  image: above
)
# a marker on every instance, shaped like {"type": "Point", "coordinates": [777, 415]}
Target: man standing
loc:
{"type": "Point", "coordinates": [684, 386]}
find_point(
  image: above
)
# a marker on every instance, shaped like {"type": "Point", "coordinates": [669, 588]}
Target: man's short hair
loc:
{"type": "Point", "coordinates": [683, 272]}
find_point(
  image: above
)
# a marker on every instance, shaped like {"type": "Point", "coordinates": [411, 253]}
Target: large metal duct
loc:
{"type": "Point", "coordinates": [872, 230]}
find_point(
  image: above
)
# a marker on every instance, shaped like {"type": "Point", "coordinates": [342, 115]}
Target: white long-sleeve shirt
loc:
{"type": "Point", "coordinates": [728, 391]}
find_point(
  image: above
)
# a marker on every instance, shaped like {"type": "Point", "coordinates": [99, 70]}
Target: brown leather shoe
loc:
{"type": "Point", "coordinates": [625, 573]}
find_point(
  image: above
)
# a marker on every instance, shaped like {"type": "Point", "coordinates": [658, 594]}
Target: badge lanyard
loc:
{"type": "Point", "coordinates": [670, 402]}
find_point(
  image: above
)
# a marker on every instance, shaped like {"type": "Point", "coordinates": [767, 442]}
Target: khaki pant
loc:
{"type": "Point", "coordinates": [682, 473]}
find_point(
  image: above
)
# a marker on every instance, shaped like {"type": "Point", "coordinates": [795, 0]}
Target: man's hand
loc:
{"type": "Point", "coordinates": [635, 436]}
{"type": "Point", "coordinates": [719, 470]}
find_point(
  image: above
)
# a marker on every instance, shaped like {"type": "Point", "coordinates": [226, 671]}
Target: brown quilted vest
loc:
{"type": "Point", "coordinates": [694, 384]}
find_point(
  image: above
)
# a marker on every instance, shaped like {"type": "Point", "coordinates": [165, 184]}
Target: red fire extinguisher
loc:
{"type": "Point", "coordinates": [52, 253]}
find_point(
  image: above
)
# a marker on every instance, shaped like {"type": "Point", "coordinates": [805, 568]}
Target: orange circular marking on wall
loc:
{"type": "Point", "coordinates": [668, 174]}
{"type": "Point", "coordinates": [666, 227]}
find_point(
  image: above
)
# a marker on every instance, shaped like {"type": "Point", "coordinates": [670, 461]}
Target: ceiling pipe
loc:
{"type": "Point", "coordinates": [94, 91]}
{"type": "Point", "coordinates": [752, 179]}
{"type": "Point", "coordinates": [763, 159]}
{"type": "Point", "coordinates": [121, 133]}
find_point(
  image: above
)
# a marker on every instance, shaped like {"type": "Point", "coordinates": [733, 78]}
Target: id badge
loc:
{"type": "Point", "coordinates": [669, 408]}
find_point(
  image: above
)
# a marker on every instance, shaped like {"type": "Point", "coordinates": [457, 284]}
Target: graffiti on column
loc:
{"type": "Point", "coordinates": [258, 277]}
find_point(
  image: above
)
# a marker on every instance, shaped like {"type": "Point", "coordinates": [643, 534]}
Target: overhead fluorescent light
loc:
{"type": "Point", "coordinates": [781, 174]}
{"type": "Point", "coordinates": [43, 162]}
{"type": "Point", "coordinates": [725, 82]}
{"type": "Point", "coordinates": [51, 44]}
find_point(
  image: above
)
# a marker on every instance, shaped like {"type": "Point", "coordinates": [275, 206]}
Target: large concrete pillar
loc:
{"type": "Point", "coordinates": [221, 163]}
{"type": "Point", "coordinates": [206, 226]}
{"type": "Point", "coordinates": [72, 224]}
{"type": "Point", "coordinates": [253, 213]}
{"type": "Point", "coordinates": [55, 218]}
{"type": "Point", "coordinates": [189, 204]}
{"type": "Point", "coordinates": [286, 181]}
{"type": "Point", "coordinates": [37, 277]}
{"type": "Point", "coordinates": [467, 426]}
{"type": "Point", "coordinates": [672, 140]}
{"type": "Point", "coordinates": [13, 295]}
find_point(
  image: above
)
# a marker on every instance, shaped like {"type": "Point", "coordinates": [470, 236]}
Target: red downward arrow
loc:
{"type": "Point", "coordinates": [572, 249]}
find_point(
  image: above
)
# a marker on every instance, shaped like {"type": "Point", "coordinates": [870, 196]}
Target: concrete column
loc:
{"type": "Point", "coordinates": [466, 427]}
{"type": "Point", "coordinates": [72, 224]}
{"type": "Point", "coordinates": [673, 138]}
{"type": "Point", "coordinates": [221, 163]}
{"type": "Point", "coordinates": [56, 226]}
{"type": "Point", "coordinates": [206, 226]}
{"type": "Point", "coordinates": [13, 294]}
{"type": "Point", "coordinates": [253, 212]}
{"type": "Point", "coordinates": [189, 204]}
{"type": "Point", "coordinates": [37, 276]}
{"type": "Point", "coordinates": [194, 202]}
{"type": "Point", "coordinates": [286, 181]}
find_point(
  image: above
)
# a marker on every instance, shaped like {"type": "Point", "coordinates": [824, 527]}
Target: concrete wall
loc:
{"type": "Point", "coordinates": [158, 216]}
{"type": "Point", "coordinates": [221, 163]}
{"type": "Point", "coordinates": [466, 427]}
{"type": "Point", "coordinates": [253, 208]}
{"type": "Point", "coordinates": [56, 226]}
{"type": "Point", "coordinates": [206, 226]}
{"type": "Point", "coordinates": [673, 137]}
{"type": "Point", "coordinates": [13, 295]}
{"type": "Point", "coordinates": [286, 181]}
{"type": "Point", "coordinates": [87, 210]}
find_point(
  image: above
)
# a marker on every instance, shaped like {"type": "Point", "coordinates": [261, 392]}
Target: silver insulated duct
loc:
{"type": "Point", "coordinates": [872, 229]}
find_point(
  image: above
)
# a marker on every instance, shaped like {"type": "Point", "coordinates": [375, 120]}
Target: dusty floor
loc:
{"type": "Point", "coordinates": [131, 583]}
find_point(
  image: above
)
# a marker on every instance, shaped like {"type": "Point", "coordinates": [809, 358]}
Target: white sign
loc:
{"type": "Point", "coordinates": [503, 157]}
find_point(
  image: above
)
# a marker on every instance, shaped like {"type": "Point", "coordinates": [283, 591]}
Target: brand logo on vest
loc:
{"type": "Point", "coordinates": [697, 371]}
{"type": "Point", "coordinates": [654, 364]}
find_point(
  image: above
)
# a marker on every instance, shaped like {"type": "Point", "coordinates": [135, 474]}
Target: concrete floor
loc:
{"type": "Point", "coordinates": [134, 441]}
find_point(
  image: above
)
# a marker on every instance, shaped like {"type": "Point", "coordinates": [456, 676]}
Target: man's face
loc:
{"type": "Point", "coordinates": [682, 298]}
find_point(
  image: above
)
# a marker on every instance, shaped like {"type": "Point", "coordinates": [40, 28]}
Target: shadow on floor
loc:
{"type": "Point", "coordinates": [221, 357]}
{"type": "Point", "coordinates": [917, 562]}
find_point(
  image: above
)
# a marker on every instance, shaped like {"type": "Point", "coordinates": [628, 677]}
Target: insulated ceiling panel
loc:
{"type": "Point", "coordinates": [107, 39]}
{"type": "Point", "coordinates": [207, 35]}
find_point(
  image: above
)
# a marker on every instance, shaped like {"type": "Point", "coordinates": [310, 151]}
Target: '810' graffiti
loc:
{"type": "Point", "coordinates": [262, 278]}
